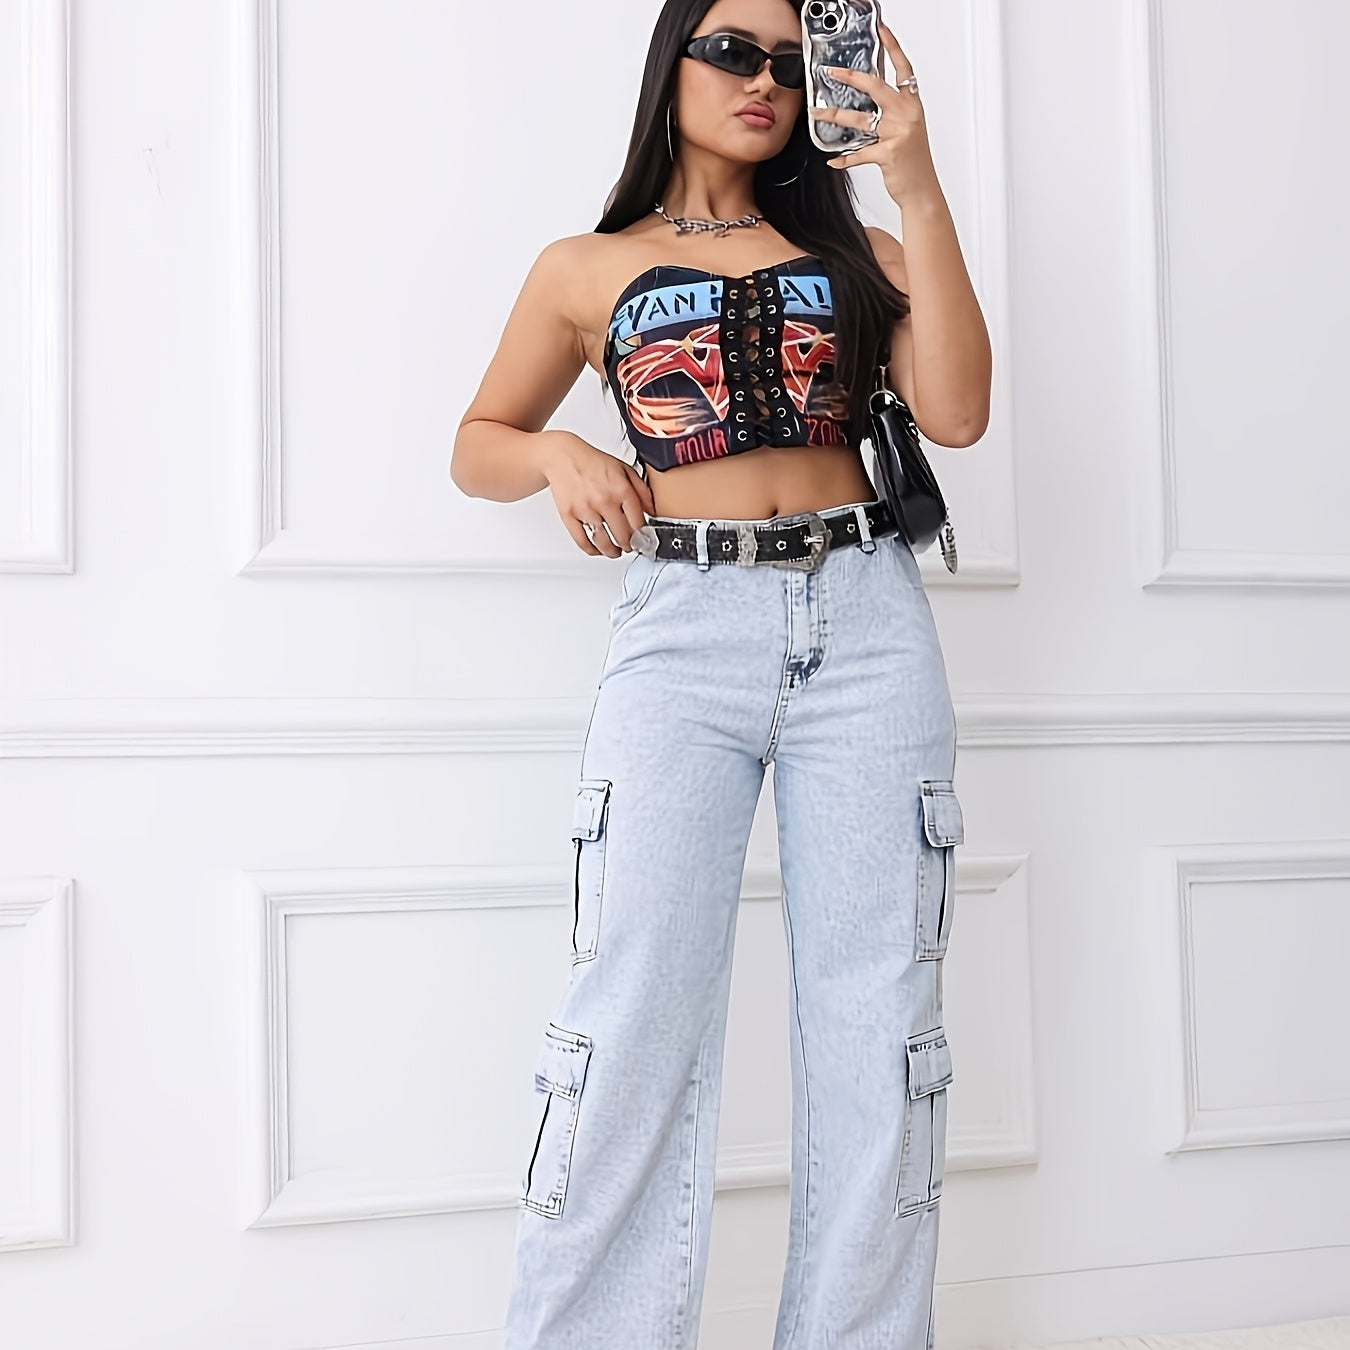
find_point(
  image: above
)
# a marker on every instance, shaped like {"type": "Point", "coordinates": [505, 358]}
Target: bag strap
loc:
{"type": "Point", "coordinates": [883, 364]}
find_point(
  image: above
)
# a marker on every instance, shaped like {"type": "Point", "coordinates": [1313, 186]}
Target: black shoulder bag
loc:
{"type": "Point", "coordinates": [907, 482]}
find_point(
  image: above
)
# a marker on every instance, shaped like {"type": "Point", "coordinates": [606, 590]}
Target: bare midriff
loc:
{"type": "Point", "coordinates": [768, 481]}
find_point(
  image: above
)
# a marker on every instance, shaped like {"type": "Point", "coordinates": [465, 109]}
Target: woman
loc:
{"type": "Point", "coordinates": [741, 356]}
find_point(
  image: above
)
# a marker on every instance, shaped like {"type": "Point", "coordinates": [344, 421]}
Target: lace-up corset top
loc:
{"type": "Point", "coordinates": [704, 365]}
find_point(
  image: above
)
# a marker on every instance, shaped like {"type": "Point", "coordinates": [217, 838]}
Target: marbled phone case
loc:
{"type": "Point", "coordinates": [853, 42]}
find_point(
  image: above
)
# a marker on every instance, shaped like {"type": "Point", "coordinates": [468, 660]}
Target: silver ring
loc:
{"type": "Point", "coordinates": [912, 82]}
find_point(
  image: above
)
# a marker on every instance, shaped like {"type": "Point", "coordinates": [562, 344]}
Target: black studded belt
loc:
{"type": "Point", "coordinates": [796, 541]}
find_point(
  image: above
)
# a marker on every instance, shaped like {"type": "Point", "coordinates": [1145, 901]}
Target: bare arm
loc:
{"type": "Point", "coordinates": [941, 362]}
{"type": "Point", "coordinates": [500, 446]}
{"type": "Point", "coordinates": [502, 451]}
{"type": "Point", "coordinates": [944, 373]}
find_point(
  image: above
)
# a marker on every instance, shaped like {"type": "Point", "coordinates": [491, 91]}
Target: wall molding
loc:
{"type": "Point", "coordinates": [43, 542]}
{"type": "Point", "coordinates": [1261, 1122]}
{"type": "Point", "coordinates": [1006, 1134]}
{"type": "Point", "coordinates": [42, 1146]}
{"type": "Point", "coordinates": [112, 728]}
{"type": "Point", "coordinates": [1177, 564]}
{"type": "Point", "coordinates": [271, 898]}
{"type": "Point", "coordinates": [989, 565]}
{"type": "Point", "coordinates": [1152, 718]}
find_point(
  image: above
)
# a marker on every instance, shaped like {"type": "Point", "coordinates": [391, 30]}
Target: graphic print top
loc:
{"type": "Point", "coordinates": [703, 365]}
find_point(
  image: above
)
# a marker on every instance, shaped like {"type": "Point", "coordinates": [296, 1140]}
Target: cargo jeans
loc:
{"type": "Point", "coordinates": [712, 672]}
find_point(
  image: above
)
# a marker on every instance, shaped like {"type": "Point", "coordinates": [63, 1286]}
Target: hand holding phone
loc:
{"type": "Point", "coordinates": [839, 33]}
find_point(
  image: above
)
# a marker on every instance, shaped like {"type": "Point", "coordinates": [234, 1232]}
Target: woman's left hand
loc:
{"type": "Point", "coordinates": [902, 149]}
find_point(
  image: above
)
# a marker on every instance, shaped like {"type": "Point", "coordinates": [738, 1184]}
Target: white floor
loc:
{"type": "Point", "coordinates": [1327, 1333]}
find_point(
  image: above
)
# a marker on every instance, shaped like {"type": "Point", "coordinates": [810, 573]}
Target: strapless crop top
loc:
{"type": "Point", "coordinates": [704, 365]}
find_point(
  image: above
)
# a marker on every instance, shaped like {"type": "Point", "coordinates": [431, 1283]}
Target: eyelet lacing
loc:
{"type": "Point", "coordinates": [752, 346]}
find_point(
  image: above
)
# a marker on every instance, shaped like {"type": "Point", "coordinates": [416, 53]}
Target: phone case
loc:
{"type": "Point", "coordinates": [839, 33]}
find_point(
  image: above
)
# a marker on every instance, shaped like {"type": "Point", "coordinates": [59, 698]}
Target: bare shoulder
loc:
{"type": "Point", "coordinates": [579, 268]}
{"type": "Point", "coordinates": [558, 262]}
{"type": "Point", "coordinates": [560, 283]}
{"type": "Point", "coordinates": [890, 256]}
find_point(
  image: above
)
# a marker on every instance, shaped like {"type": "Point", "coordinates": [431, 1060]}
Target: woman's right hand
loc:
{"type": "Point", "coordinates": [597, 489]}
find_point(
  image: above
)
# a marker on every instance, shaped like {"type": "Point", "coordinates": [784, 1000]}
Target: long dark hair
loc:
{"type": "Point", "coordinates": [816, 211]}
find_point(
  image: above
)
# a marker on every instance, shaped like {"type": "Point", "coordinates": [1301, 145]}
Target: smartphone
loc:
{"type": "Point", "coordinates": [839, 33]}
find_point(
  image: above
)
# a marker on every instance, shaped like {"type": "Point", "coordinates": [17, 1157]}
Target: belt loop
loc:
{"type": "Point", "coordinates": [701, 534]}
{"type": "Point", "coordinates": [747, 543]}
{"type": "Point", "coordinates": [866, 542]}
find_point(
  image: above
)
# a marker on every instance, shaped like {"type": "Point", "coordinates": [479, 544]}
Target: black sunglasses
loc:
{"type": "Point", "coordinates": [737, 56]}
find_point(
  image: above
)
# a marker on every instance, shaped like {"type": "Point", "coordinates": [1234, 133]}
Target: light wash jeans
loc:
{"type": "Point", "coordinates": [836, 676]}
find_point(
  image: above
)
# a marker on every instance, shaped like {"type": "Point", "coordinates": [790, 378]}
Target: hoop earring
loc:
{"type": "Point", "coordinates": [670, 139]}
{"type": "Point", "coordinates": [788, 181]}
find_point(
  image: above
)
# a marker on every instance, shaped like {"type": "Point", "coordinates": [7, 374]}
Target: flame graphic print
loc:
{"type": "Point", "coordinates": [667, 367]}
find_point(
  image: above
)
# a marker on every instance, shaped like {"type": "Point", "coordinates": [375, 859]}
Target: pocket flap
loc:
{"type": "Point", "coordinates": [942, 820]}
{"type": "Point", "coordinates": [588, 815]}
{"type": "Point", "coordinates": [562, 1061]}
{"type": "Point", "coordinates": [930, 1061]}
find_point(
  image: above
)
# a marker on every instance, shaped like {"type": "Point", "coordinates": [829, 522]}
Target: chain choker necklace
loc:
{"type": "Point", "coordinates": [683, 225]}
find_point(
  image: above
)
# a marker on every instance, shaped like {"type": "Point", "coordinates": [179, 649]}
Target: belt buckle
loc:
{"type": "Point", "coordinates": [818, 539]}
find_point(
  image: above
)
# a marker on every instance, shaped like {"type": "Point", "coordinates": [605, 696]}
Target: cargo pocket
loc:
{"type": "Point", "coordinates": [943, 829]}
{"type": "Point", "coordinates": [589, 817]}
{"type": "Point", "coordinates": [923, 1153]}
{"type": "Point", "coordinates": [558, 1078]}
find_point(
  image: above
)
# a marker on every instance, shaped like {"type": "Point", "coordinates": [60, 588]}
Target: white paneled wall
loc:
{"type": "Point", "coordinates": [1248, 189]}
{"type": "Point", "coordinates": [289, 727]}
{"type": "Point", "coordinates": [36, 1110]}
{"type": "Point", "coordinates": [35, 506]}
